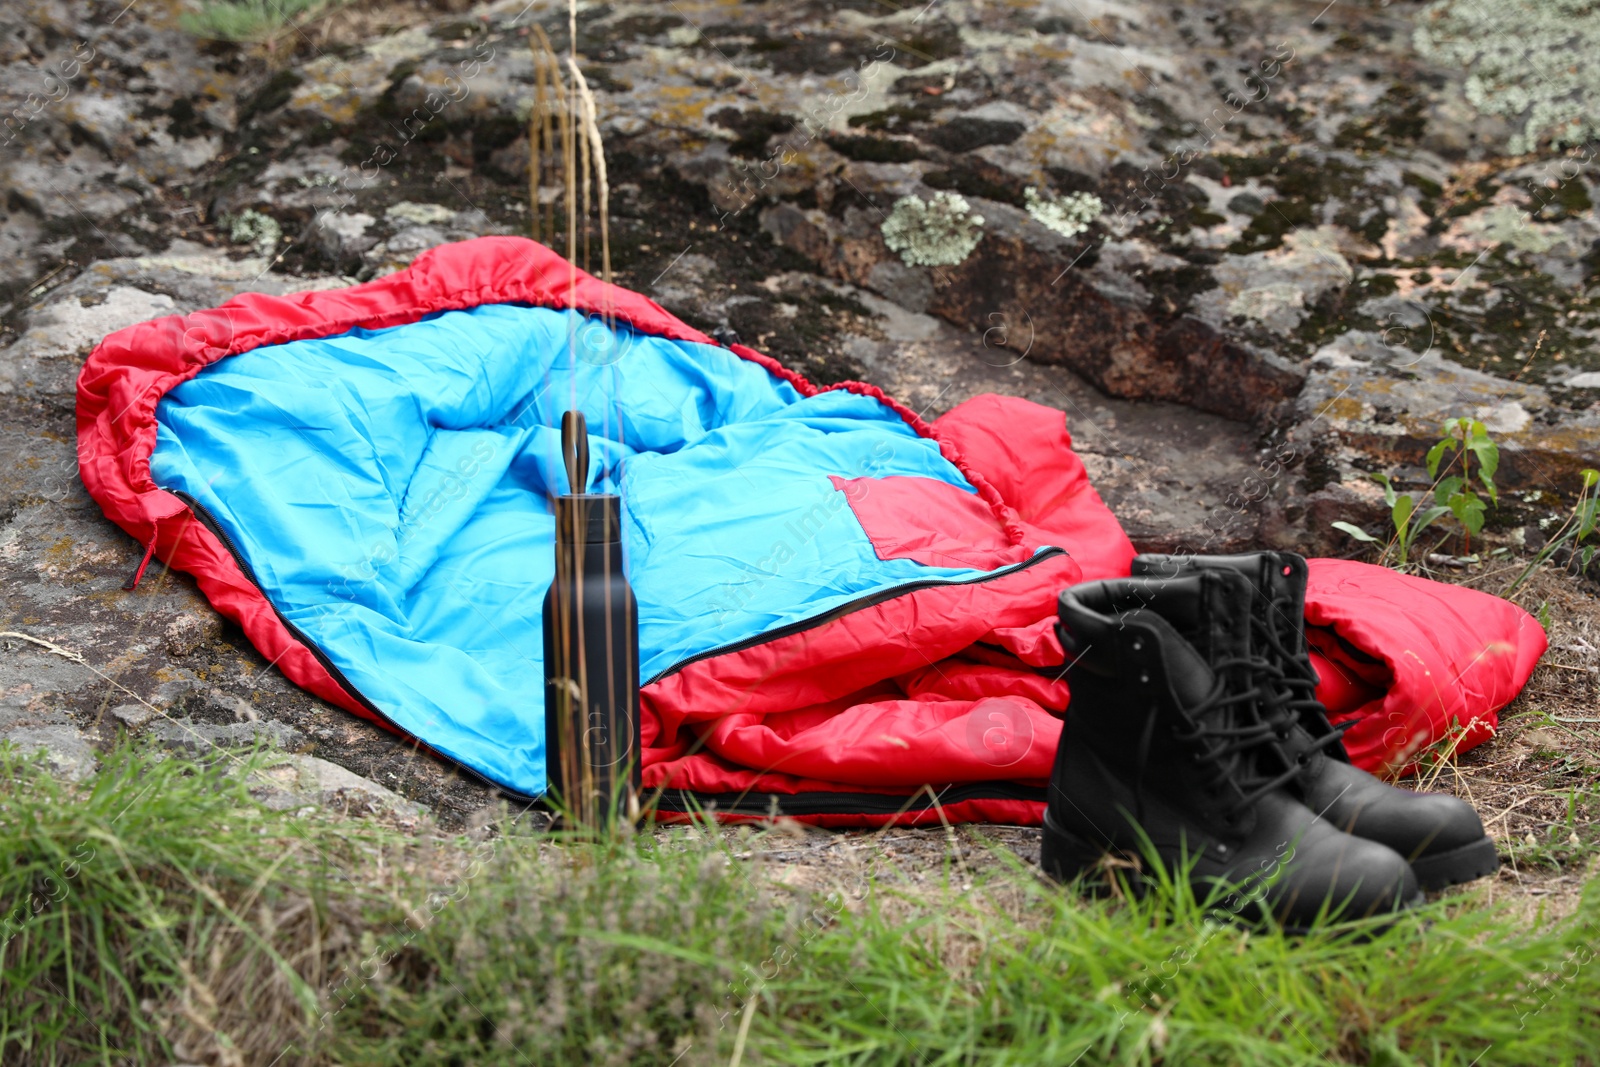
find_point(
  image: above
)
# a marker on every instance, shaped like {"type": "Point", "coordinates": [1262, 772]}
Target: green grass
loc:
{"type": "Point", "coordinates": [252, 20]}
{"type": "Point", "coordinates": [158, 907]}
{"type": "Point", "coordinates": [158, 915]}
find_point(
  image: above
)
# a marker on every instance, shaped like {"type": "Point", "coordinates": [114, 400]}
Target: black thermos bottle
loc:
{"type": "Point", "coordinates": [591, 652]}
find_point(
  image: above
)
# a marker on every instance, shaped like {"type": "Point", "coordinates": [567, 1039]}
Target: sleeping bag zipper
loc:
{"type": "Point", "coordinates": [679, 800]}
{"type": "Point", "coordinates": [840, 803]}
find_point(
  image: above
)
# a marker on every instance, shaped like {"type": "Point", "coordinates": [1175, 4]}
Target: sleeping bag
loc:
{"type": "Point", "coordinates": [845, 612]}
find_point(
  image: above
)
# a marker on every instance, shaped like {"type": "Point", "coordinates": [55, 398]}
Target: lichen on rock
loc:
{"type": "Point", "coordinates": [1505, 45]}
{"type": "Point", "coordinates": [939, 232]}
{"type": "Point", "coordinates": [260, 231]}
{"type": "Point", "coordinates": [1067, 215]}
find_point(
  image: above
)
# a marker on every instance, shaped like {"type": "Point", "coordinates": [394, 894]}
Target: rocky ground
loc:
{"type": "Point", "coordinates": [1308, 252]}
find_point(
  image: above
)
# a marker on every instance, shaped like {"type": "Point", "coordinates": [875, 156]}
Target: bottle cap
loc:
{"type": "Point", "coordinates": [583, 518]}
{"type": "Point", "coordinates": [588, 518]}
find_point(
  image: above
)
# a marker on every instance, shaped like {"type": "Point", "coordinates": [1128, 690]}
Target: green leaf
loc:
{"type": "Point", "coordinates": [1355, 531]}
{"type": "Point", "coordinates": [1436, 453]}
{"type": "Point", "coordinates": [1488, 454]}
{"type": "Point", "coordinates": [1427, 519]}
{"type": "Point", "coordinates": [1448, 487]}
{"type": "Point", "coordinates": [1590, 477]}
{"type": "Point", "coordinates": [1489, 486]}
{"type": "Point", "coordinates": [1401, 512]}
{"type": "Point", "coordinates": [1585, 556]}
{"type": "Point", "coordinates": [1469, 509]}
{"type": "Point", "coordinates": [1587, 511]}
{"type": "Point", "coordinates": [1388, 488]}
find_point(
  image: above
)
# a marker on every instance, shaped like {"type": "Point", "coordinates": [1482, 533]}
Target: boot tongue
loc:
{"type": "Point", "coordinates": [1262, 570]}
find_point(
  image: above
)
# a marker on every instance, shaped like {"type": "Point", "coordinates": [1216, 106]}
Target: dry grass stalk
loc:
{"type": "Point", "coordinates": [548, 121]}
{"type": "Point", "coordinates": [580, 135]}
{"type": "Point", "coordinates": [591, 122]}
{"type": "Point", "coordinates": [536, 117]}
{"type": "Point", "coordinates": [565, 149]}
{"type": "Point", "coordinates": [566, 152]}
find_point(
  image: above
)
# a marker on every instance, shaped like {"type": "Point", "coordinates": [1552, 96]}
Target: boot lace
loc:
{"type": "Point", "coordinates": [1220, 742]}
{"type": "Point", "coordinates": [1294, 697]}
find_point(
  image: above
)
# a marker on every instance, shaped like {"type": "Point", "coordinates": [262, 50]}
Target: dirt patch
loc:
{"type": "Point", "coordinates": [1537, 783]}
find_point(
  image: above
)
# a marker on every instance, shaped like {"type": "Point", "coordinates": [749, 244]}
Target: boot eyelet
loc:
{"type": "Point", "coordinates": [1144, 678]}
{"type": "Point", "coordinates": [1138, 644]}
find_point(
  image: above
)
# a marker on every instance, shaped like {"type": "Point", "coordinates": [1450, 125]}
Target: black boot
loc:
{"type": "Point", "coordinates": [1440, 835]}
{"type": "Point", "coordinates": [1161, 752]}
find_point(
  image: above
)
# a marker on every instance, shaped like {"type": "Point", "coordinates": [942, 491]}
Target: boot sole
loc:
{"type": "Point", "coordinates": [1065, 857]}
{"type": "Point", "coordinates": [1464, 864]}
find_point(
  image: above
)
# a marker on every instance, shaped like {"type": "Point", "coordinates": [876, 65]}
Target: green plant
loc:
{"type": "Point", "coordinates": [158, 914]}
{"type": "Point", "coordinates": [254, 228]}
{"type": "Point", "coordinates": [1464, 440]}
{"type": "Point", "coordinates": [1579, 524]}
{"type": "Point", "coordinates": [622, 952]}
{"type": "Point", "coordinates": [1568, 842]}
{"type": "Point", "coordinates": [1407, 521]}
{"type": "Point", "coordinates": [253, 20]}
{"type": "Point", "coordinates": [1442, 754]}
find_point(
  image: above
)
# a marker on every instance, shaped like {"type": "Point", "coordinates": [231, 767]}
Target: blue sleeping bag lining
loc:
{"type": "Point", "coordinates": [390, 492]}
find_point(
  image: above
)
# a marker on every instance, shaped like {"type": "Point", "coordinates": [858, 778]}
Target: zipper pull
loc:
{"type": "Point", "coordinates": [149, 550]}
